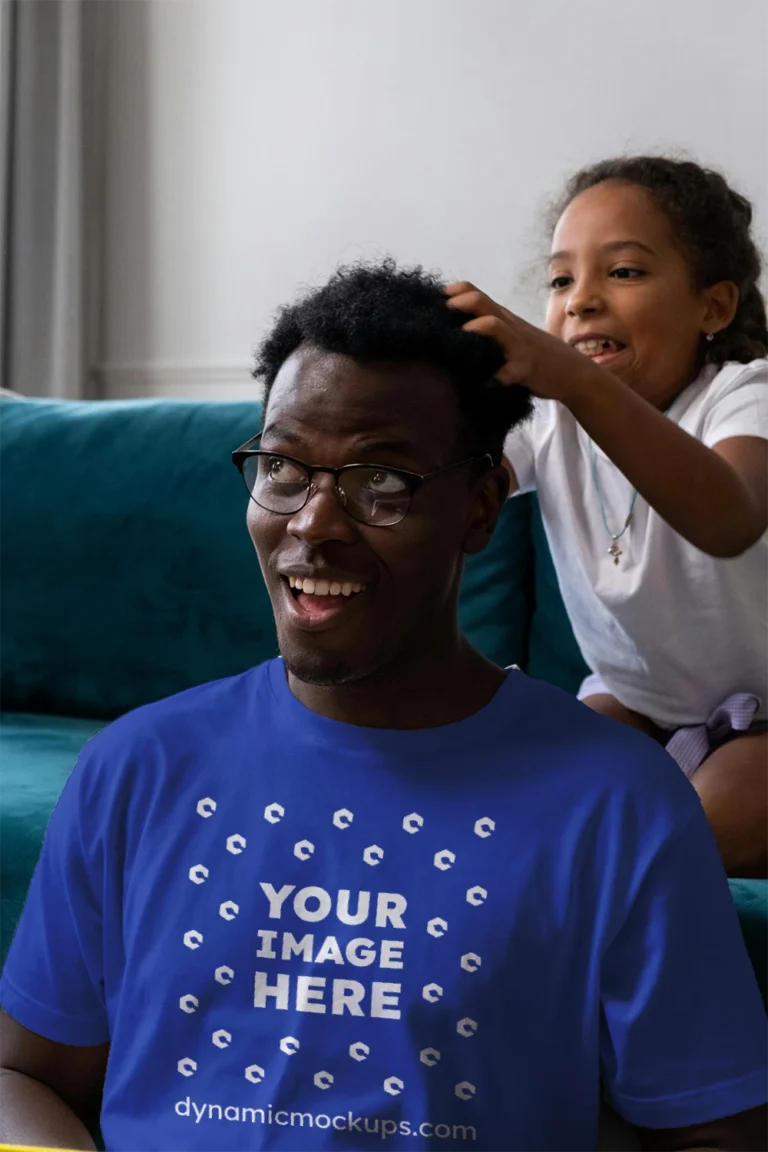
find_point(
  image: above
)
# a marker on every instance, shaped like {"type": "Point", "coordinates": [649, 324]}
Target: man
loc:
{"type": "Point", "coordinates": [378, 892]}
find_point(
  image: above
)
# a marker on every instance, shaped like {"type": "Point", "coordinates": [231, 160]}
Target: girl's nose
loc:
{"type": "Point", "coordinates": [584, 300]}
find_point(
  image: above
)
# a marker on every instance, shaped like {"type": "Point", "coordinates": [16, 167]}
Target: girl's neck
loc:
{"type": "Point", "coordinates": [665, 396]}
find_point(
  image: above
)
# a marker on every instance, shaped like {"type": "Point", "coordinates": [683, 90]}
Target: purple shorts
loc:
{"type": "Point", "coordinates": [690, 746]}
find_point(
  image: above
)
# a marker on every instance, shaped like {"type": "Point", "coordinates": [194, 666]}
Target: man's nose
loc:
{"type": "Point", "coordinates": [323, 517]}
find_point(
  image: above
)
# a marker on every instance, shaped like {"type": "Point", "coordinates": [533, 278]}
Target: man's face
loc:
{"type": "Point", "coordinates": [326, 409]}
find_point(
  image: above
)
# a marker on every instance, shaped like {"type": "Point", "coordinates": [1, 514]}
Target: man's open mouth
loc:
{"type": "Point", "coordinates": [309, 587]}
{"type": "Point", "coordinates": [315, 603]}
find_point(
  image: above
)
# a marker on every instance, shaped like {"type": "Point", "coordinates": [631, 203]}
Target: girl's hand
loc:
{"type": "Point", "coordinates": [546, 365]}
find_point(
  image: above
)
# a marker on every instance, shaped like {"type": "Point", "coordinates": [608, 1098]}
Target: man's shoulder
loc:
{"type": "Point", "coordinates": [597, 755]}
{"type": "Point", "coordinates": [190, 717]}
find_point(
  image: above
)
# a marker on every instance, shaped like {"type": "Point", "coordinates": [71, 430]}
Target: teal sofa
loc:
{"type": "Point", "coordinates": [127, 575]}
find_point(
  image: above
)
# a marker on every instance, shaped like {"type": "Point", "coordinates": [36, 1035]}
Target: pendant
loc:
{"type": "Point", "coordinates": [615, 551]}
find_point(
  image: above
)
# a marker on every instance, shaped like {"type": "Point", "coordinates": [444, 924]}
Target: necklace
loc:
{"type": "Point", "coordinates": [615, 550]}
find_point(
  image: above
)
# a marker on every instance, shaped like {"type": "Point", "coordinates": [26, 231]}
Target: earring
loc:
{"type": "Point", "coordinates": [709, 337]}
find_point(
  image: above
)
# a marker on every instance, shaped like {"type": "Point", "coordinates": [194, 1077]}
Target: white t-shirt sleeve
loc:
{"type": "Point", "coordinates": [741, 409]}
{"type": "Point", "coordinates": [520, 450]}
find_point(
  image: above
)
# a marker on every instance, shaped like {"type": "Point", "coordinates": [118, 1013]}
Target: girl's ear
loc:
{"type": "Point", "coordinates": [721, 301]}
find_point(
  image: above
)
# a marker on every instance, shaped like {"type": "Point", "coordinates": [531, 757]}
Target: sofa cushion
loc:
{"type": "Point", "coordinates": [553, 653]}
{"type": "Point", "coordinates": [751, 899]}
{"type": "Point", "coordinates": [495, 604]}
{"type": "Point", "coordinates": [37, 754]}
{"type": "Point", "coordinates": [127, 571]}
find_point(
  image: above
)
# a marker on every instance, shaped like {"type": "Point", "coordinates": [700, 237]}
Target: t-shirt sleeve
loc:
{"type": "Point", "coordinates": [741, 410]}
{"type": "Point", "coordinates": [682, 1020]}
{"type": "Point", "coordinates": [53, 982]}
{"type": "Point", "coordinates": [520, 451]}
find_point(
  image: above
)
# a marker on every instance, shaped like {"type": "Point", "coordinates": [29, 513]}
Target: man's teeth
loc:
{"type": "Point", "coordinates": [323, 587]}
{"type": "Point", "coordinates": [595, 347]}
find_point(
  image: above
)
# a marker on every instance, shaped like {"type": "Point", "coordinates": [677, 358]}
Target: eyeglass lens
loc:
{"type": "Point", "coordinates": [371, 495]}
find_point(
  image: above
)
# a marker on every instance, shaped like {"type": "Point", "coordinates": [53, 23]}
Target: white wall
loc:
{"type": "Point", "coordinates": [253, 145]}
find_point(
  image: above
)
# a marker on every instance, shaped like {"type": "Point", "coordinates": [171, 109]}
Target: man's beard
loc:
{"type": "Point", "coordinates": [324, 673]}
{"type": "Point", "coordinates": [328, 670]}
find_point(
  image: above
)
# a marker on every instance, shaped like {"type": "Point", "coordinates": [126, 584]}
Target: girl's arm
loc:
{"type": "Point", "coordinates": [716, 498]}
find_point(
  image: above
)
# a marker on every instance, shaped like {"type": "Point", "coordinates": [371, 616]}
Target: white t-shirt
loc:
{"type": "Point", "coordinates": [672, 631]}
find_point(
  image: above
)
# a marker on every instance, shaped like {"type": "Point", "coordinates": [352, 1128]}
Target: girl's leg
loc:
{"type": "Point", "coordinates": [608, 705]}
{"type": "Point", "coordinates": [732, 785]}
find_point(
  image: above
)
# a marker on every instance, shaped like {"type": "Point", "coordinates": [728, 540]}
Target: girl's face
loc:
{"type": "Point", "coordinates": [622, 292]}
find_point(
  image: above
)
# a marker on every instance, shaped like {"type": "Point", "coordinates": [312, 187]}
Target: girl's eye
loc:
{"type": "Point", "coordinates": [627, 273]}
{"type": "Point", "coordinates": [560, 282]}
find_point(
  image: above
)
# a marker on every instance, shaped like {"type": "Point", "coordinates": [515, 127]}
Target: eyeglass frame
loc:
{"type": "Point", "coordinates": [414, 480]}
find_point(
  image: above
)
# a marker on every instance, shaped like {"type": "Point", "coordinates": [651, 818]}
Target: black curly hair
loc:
{"type": "Point", "coordinates": [382, 313]}
{"type": "Point", "coordinates": [712, 225]}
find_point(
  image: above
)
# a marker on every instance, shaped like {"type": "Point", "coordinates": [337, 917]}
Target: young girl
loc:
{"type": "Point", "coordinates": [648, 449]}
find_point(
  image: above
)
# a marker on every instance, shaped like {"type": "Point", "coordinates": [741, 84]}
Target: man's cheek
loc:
{"type": "Point", "coordinates": [254, 521]}
{"type": "Point", "coordinates": [261, 532]}
{"type": "Point", "coordinates": [433, 575]}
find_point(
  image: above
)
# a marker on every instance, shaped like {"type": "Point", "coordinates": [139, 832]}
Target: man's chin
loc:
{"type": "Point", "coordinates": [330, 661]}
{"type": "Point", "coordinates": [322, 673]}
{"type": "Point", "coordinates": [325, 669]}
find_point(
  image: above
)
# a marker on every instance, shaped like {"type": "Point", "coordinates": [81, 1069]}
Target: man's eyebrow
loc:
{"type": "Point", "coordinates": [396, 447]}
{"type": "Point", "coordinates": [611, 246]}
{"type": "Point", "coordinates": [367, 447]}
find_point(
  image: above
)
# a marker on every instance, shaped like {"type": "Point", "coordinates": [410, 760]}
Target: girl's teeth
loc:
{"type": "Point", "coordinates": [346, 589]}
{"type": "Point", "coordinates": [321, 588]}
{"type": "Point", "coordinates": [595, 347]}
{"type": "Point", "coordinates": [335, 589]}
{"type": "Point", "coordinates": [308, 586]}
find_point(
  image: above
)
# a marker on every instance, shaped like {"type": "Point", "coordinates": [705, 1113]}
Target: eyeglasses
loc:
{"type": "Point", "coordinates": [379, 497]}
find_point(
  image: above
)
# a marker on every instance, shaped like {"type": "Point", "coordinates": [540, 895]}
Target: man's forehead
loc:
{"type": "Point", "coordinates": [386, 403]}
{"type": "Point", "coordinates": [388, 436]}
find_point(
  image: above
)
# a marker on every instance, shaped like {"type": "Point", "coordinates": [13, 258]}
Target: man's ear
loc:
{"type": "Point", "coordinates": [490, 494]}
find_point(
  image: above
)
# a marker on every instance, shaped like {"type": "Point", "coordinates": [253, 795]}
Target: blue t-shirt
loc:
{"type": "Point", "coordinates": [302, 934]}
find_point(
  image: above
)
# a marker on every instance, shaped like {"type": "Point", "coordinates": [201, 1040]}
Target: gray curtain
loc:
{"type": "Point", "coordinates": [51, 70]}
